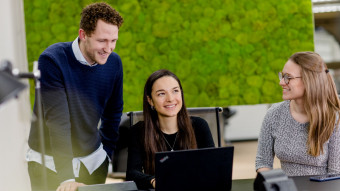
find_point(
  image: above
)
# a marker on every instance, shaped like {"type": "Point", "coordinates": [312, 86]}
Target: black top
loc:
{"type": "Point", "coordinates": [136, 153]}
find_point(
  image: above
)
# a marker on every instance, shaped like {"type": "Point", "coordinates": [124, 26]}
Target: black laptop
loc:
{"type": "Point", "coordinates": [198, 169]}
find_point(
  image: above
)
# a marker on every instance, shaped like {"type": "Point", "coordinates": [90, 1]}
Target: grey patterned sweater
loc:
{"type": "Point", "coordinates": [283, 136]}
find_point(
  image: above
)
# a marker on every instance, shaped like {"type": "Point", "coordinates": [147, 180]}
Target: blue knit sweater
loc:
{"type": "Point", "coordinates": [75, 98]}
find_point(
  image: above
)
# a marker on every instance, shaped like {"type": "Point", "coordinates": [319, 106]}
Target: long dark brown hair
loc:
{"type": "Point", "coordinates": [153, 140]}
{"type": "Point", "coordinates": [321, 99]}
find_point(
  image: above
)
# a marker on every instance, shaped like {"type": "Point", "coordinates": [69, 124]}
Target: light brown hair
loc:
{"type": "Point", "coordinates": [321, 99]}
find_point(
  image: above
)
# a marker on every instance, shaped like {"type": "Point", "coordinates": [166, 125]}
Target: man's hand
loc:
{"type": "Point", "coordinates": [69, 186]}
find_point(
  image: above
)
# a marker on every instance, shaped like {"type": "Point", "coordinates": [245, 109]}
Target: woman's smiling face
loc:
{"type": "Point", "coordinates": [295, 88]}
{"type": "Point", "coordinates": [166, 97]}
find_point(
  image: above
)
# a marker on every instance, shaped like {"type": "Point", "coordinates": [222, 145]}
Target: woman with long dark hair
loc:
{"type": "Point", "coordinates": [303, 131]}
{"type": "Point", "coordinates": [166, 127]}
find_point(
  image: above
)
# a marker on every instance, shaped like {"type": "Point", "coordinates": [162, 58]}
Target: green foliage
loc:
{"type": "Point", "coordinates": [224, 52]}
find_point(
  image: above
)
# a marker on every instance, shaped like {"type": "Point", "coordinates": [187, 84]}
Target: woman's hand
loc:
{"type": "Point", "coordinates": [262, 169]}
{"type": "Point", "coordinates": [153, 182]}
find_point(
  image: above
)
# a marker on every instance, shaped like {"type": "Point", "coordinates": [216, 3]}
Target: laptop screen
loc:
{"type": "Point", "coordinates": [198, 169]}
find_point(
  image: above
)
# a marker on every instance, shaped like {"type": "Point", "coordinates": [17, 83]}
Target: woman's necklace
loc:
{"type": "Point", "coordinates": [171, 147]}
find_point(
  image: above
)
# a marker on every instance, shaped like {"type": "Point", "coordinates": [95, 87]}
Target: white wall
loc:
{"type": "Point", "coordinates": [326, 45]}
{"type": "Point", "coordinates": [15, 114]}
{"type": "Point", "coordinates": [246, 123]}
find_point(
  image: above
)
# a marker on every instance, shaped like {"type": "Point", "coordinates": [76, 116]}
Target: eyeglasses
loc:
{"type": "Point", "coordinates": [286, 77]}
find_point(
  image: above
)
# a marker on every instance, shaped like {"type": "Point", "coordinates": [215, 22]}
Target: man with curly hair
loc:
{"type": "Point", "coordinates": [82, 103]}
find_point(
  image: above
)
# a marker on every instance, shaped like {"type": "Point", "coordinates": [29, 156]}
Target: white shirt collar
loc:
{"type": "Point", "coordinates": [77, 53]}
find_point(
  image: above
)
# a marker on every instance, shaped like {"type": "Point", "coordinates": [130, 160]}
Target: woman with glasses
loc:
{"type": "Point", "coordinates": [302, 131]}
{"type": "Point", "coordinates": [166, 127]}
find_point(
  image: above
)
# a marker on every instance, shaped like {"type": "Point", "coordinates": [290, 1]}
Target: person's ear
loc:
{"type": "Point", "coordinates": [150, 101]}
{"type": "Point", "coordinates": [82, 34]}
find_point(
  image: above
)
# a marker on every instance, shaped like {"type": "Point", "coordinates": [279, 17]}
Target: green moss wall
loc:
{"type": "Point", "coordinates": [226, 52]}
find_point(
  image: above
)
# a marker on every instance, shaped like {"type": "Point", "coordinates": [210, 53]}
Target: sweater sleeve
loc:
{"type": "Point", "coordinates": [112, 114]}
{"type": "Point", "coordinates": [56, 115]}
{"type": "Point", "coordinates": [136, 159]}
{"type": "Point", "coordinates": [265, 151]}
{"type": "Point", "coordinates": [203, 135]}
{"type": "Point", "coordinates": [334, 152]}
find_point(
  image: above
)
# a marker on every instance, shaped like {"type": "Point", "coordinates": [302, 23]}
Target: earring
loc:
{"type": "Point", "coordinates": [152, 107]}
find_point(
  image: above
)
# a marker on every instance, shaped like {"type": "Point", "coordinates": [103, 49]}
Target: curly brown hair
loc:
{"type": "Point", "coordinates": [93, 12]}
